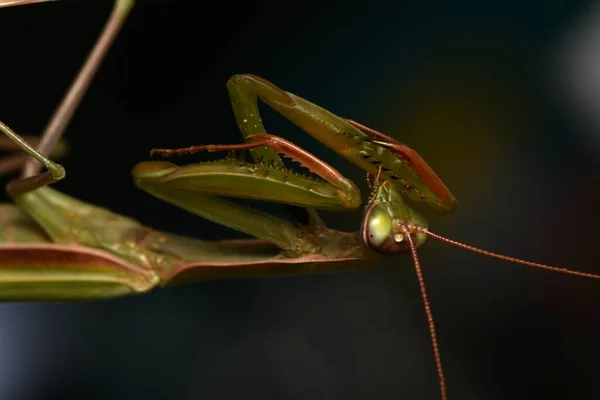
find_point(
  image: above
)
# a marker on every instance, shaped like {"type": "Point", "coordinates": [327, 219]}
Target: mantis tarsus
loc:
{"type": "Point", "coordinates": [55, 247]}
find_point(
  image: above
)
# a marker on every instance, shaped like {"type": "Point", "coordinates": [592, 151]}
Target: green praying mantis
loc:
{"type": "Point", "coordinates": [54, 247]}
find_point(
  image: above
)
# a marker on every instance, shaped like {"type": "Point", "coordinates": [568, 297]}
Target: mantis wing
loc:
{"type": "Point", "coordinates": [56, 272]}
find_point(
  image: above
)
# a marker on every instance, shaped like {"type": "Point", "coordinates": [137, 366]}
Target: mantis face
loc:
{"type": "Point", "coordinates": [388, 220]}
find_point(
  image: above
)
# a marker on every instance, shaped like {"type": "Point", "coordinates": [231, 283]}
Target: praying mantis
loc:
{"type": "Point", "coordinates": [55, 247]}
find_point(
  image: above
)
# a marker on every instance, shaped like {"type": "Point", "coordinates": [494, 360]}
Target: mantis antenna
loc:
{"type": "Point", "coordinates": [421, 280]}
{"type": "Point", "coordinates": [430, 322]}
{"type": "Point", "coordinates": [507, 258]}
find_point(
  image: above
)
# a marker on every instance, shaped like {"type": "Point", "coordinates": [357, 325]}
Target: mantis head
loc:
{"type": "Point", "coordinates": [388, 221]}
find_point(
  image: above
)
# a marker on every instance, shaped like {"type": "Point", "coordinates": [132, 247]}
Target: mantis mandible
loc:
{"type": "Point", "coordinates": [55, 247]}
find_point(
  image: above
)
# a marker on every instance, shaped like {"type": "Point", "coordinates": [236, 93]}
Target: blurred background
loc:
{"type": "Point", "coordinates": [501, 98]}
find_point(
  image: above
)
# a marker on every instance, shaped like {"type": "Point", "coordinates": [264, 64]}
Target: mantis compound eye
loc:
{"type": "Point", "coordinates": [379, 233]}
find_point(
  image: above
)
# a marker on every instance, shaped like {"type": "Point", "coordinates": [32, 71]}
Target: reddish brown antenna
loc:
{"type": "Point", "coordinates": [507, 258]}
{"type": "Point", "coordinates": [430, 322]}
{"type": "Point", "coordinates": [421, 280]}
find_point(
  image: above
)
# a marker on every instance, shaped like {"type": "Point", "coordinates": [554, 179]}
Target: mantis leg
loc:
{"type": "Point", "coordinates": [165, 181]}
{"type": "Point", "coordinates": [348, 194]}
{"type": "Point", "coordinates": [68, 270]}
{"type": "Point", "coordinates": [244, 90]}
{"type": "Point", "coordinates": [54, 171]}
{"type": "Point", "coordinates": [11, 3]}
{"type": "Point", "coordinates": [331, 130]}
{"type": "Point", "coordinates": [64, 113]}
{"type": "Point", "coordinates": [14, 162]}
{"type": "Point", "coordinates": [79, 264]}
{"type": "Point", "coordinates": [193, 188]}
{"type": "Point", "coordinates": [426, 173]}
{"type": "Point", "coordinates": [46, 206]}
{"type": "Point", "coordinates": [401, 164]}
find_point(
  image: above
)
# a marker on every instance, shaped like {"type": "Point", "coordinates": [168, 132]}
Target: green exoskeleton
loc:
{"type": "Point", "coordinates": [55, 247]}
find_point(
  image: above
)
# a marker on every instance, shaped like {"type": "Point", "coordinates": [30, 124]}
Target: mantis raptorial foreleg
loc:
{"type": "Point", "coordinates": [334, 132]}
{"type": "Point", "coordinates": [268, 179]}
{"type": "Point", "coordinates": [414, 178]}
{"type": "Point", "coordinates": [192, 188]}
{"type": "Point", "coordinates": [346, 192]}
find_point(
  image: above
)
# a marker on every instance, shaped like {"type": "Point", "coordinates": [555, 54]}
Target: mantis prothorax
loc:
{"type": "Point", "coordinates": [54, 247]}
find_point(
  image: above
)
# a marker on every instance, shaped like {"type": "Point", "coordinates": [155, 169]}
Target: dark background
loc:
{"type": "Point", "coordinates": [480, 89]}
